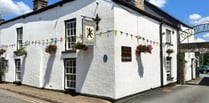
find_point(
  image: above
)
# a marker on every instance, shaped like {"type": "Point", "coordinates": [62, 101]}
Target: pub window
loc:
{"type": "Point", "coordinates": [70, 33]}
{"type": "Point", "coordinates": [17, 70]}
{"type": "Point", "coordinates": [126, 54]}
{"type": "Point", "coordinates": [19, 37]}
{"type": "Point", "coordinates": [169, 68]}
{"type": "Point", "coordinates": [168, 36]}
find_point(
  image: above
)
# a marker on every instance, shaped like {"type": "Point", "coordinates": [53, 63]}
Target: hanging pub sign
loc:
{"type": "Point", "coordinates": [89, 30]}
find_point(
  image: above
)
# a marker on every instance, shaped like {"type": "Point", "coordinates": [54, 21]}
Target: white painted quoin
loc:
{"type": "Point", "coordinates": [120, 26]}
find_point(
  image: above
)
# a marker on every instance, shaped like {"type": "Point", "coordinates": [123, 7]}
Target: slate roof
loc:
{"type": "Point", "coordinates": [153, 11]}
{"type": "Point", "coordinates": [150, 11]}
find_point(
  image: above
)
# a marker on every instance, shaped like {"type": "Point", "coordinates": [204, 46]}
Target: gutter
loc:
{"type": "Point", "coordinates": [161, 53]}
{"type": "Point", "coordinates": [143, 12]}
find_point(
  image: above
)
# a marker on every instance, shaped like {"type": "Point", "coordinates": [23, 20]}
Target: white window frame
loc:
{"type": "Point", "coordinates": [70, 33]}
{"type": "Point", "coordinates": [168, 36]}
{"type": "Point", "coordinates": [70, 73]}
{"type": "Point", "coordinates": [169, 69]}
{"type": "Point", "coordinates": [17, 70]}
{"type": "Point", "coordinates": [19, 37]}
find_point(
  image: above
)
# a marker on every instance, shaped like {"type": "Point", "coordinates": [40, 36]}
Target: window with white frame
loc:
{"type": "Point", "coordinates": [70, 73]}
{"type": "Point", "coordinates": [70, 33]}
{"type": "Point", "coordinates": [17, 70]}
{"type": "Point", "coordinates": [168, 68]}
{"type": "Point", "coordinates": [19, 37]}
{"type": "Point", "coordinates": [168, 36]}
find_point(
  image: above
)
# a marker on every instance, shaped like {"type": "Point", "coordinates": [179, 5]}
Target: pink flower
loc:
{"type": "Point", "coordinates": [149, 48]}
{"type": "Point", "coordinates": [143, 48]}
{"type": "Point", "coordinates": [46, 49]}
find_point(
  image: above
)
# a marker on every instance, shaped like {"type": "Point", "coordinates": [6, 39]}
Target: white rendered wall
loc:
{"type": "Point", "coordinates": [47, 71]}
{"type": "Point", "coordinates": [189, 71]}
{"type": "Point", "coordinates": [173, 55]}
{"type": "Point", "coordinates": [143, 72]}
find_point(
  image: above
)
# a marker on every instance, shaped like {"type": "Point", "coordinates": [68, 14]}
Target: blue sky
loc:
{"type": "Point", "coordinates": [190, 12]}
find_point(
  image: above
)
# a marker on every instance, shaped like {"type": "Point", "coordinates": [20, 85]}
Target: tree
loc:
{"type": "Point", "coordinates": [205, 58]}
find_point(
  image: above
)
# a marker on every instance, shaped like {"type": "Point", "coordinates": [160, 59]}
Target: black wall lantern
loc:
{"type": "Point", "coordinates": [97, 20]}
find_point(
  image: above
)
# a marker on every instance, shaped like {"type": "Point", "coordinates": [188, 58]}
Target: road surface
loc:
{"type": "Point", "coordinates": [9, 97]}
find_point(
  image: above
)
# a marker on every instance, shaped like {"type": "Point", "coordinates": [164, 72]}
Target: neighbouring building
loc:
{"type": "Point", "coordinates": [126, 49]}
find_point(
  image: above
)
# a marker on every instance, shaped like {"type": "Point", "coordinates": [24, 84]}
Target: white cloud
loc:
{"type": "Point", "coordinates": [9, 7]}
{"type": "Point", "coordinates": [159, 3]}
{"type": "Point", "coordinates": [206, 35]}
{"type": "Point", "coordinates": [194, 16]}
{"type": "Point", "coordinates": [198, 19]}
{"type": "Point", "coordinates": [199, 40]}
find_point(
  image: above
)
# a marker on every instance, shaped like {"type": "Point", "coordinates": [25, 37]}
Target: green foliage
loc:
{"type": "Point", "coordinates": [2, 51]}
{"type": "Point", "coordinates": [52, 48]}
{"type": "Point", "coordinates": [21, 51]}
{"type": "Point", "coordinates": [80, 45]}
{"type": "Point", "coordinates": [169, 51]}
{"type": "Point", "coordinates": [204, 58]}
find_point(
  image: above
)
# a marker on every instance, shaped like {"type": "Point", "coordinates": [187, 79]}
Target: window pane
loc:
{"type": "Point", "coordinates": [70, 27]}
{"type": "Point", "coordinates": [126, 54]}
{"type": "Point", "coordinates": [18, 69]}
{"type": "Point", "coordinates": [168, 36]}
{"type": "Point", "coordinates": [19, 37]}
{"type": "Point", "coordinates": [70, 73]}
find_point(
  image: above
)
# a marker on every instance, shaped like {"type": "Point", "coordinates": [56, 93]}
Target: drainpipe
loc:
{"type": "Point", "coordinates": [178, 56]}
{"type": "Point", "coordinates": [161, 53]}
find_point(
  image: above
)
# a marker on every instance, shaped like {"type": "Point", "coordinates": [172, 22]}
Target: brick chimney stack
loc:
{"type": "Point", "coordinates": [139, 4]}
{"type": "Point", "coordinates": [38, 4]}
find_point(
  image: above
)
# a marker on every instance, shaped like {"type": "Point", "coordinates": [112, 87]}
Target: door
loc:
{"type": "Point", "coordinates": [17, 70]}
{"type": "Point", "coordinates": [70, 74]}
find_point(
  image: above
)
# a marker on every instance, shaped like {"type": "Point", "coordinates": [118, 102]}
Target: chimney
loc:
{"type": "Point", "coordinates": [139, 4]}
{"type": "Point", "coordinates": [38, 4]}
{"type": "Point", "coordinates": [1, 20]}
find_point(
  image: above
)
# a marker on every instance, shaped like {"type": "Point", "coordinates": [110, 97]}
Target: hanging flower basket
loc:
{"type": "Point", "coordinates": [144, 48]}
{"type": "Point", "coordinates": [2, 51]}
{"type": "Point", "coordinates": [51, 49]}
{"type": "Point", "coordinates": [80, 46]}
{"type": "Point", "coordinates": [20, 52]}
{"type": "Point", "coordinates": [169, 51]}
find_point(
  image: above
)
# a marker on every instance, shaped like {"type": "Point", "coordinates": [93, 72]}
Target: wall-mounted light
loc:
{"type": "Point", "coordinates": [97, 20]}
{"type": "Point", "coordinates": [173, 32]}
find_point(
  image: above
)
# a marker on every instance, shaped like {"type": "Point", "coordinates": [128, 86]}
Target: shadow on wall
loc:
{"type": "Point", "coordinates": [48, 71]}
{"type": "Point", "coordinates": [140, 65]}
{"type": "Point", "coordinates": [23, 67]}
{"type": "Point", "coordinates": [86, 58]}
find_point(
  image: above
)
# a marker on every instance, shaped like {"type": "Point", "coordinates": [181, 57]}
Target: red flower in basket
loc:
{"type": "Point", "coordinates": [51, 49]}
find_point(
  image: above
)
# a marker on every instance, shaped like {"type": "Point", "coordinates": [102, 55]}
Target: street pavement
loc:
{"type": "Point", "coordinates": [177, 94]}
{"type": "Point", "coordinates": [49, 95]}
{"type": "Point", "coordinates": [9, 97]}
{"type": "Point", "coordinates": [198, 92]}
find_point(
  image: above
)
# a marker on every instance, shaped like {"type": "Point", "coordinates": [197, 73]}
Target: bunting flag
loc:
{"type": "Point", "coordinates": [71, 38]}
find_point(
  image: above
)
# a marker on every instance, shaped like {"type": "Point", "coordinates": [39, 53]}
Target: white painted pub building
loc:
{"type": "Point", "coordinates": [123, 47]}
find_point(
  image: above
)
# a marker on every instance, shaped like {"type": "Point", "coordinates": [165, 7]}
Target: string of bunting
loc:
{"type": "Point", "coordinates": [43, 42]}
{"type": "Point", "coordinates": [117, 32]}
{"type": "Point", "coordinates": [72, 38]}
